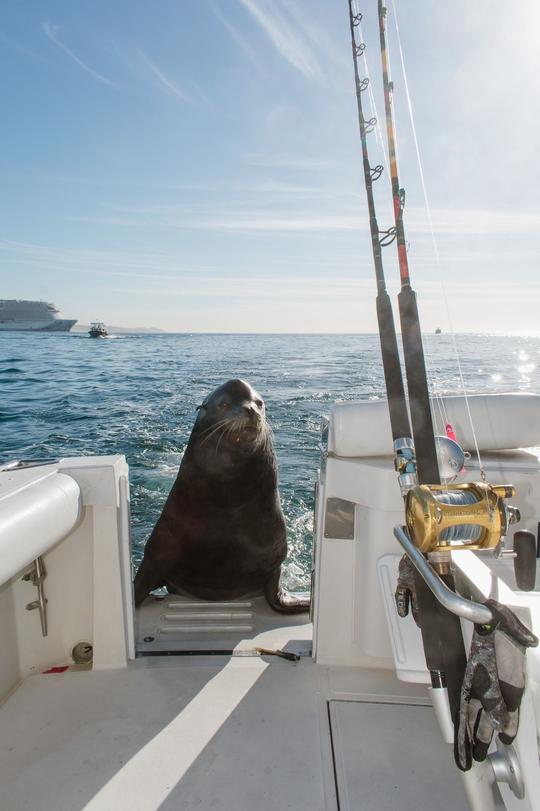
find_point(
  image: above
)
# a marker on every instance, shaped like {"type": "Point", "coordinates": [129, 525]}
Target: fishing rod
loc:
{"type": "Point", "coordinates": [411, 335]}
{"type": "Point", "coordinates": [441, 631]}
{"type": "Point", "coordinates": [397, 406]}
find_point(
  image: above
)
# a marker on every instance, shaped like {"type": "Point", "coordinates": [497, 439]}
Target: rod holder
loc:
{"type": "Point", "coordinates": [468, 609]}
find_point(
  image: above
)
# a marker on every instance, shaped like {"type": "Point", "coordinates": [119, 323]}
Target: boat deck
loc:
{"type": "Point", "coordinates": [230, 732]}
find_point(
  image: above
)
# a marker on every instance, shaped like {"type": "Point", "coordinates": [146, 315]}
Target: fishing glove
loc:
{"type": "Point", "coordinates": [493, 685]}
{"type": "Point", "coordinates": [405, 595]}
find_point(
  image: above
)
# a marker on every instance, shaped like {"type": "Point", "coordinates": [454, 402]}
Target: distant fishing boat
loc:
{"type": "Point", "coordinates": [98, 330]}
{"type": "Point", "coordinates": [438, 331]}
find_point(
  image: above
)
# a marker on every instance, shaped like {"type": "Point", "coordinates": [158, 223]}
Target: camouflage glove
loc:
{"type": "Point", "coordinates": [493, 685]}
{"type": "Point", "coordinates": [405, 595]}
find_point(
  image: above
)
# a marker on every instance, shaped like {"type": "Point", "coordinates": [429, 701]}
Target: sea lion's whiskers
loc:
{"type": "Point", "coordinates": [226, 433]}
{"type": "Point", "coordinates": [214, 429]}
{"type": "Point", "coordinates": [209, 436]}
{"type": "Point", "coordinates": [266, 433]}
{"type": "Point", "coordinates": [230, 426]}
{"type": "Point", "coordinates": [235, 426]}
{"type": "Point", "coordinates": [221, 436]}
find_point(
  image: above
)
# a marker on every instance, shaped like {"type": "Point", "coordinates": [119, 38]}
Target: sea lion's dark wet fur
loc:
{"type": "Point", "coordinates": [222, 533]}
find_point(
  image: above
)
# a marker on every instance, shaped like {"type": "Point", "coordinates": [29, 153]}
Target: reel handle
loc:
{"type": "Point", "coordinates": [525, 559]}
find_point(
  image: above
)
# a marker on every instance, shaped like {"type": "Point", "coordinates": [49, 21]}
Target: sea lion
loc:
{"type": "Point", "coordinates": [222, 532]}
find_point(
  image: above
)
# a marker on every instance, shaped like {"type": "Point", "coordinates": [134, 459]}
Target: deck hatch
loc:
{"type": "Point", "coordinates": [389, 756]}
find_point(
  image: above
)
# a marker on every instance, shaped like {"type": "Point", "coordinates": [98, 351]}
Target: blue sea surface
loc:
{"type": "Point", "coordinates": [68, 395]}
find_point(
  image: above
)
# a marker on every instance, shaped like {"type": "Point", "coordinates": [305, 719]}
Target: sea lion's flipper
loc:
{"type": "Point", "coordinates": [282, 601]}
{"type": "Point", "coordinates": [146, 580]}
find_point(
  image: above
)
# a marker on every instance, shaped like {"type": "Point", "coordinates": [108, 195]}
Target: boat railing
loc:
{"type": "Point", "coordinates": [462, 607]}
{"type": "Point", "coordinates": [39, 515]}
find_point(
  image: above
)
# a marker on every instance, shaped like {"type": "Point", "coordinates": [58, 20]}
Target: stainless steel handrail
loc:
{"type": "Point", "coordinates": [475, 612]}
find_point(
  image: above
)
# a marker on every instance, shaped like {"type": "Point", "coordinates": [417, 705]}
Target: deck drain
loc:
{"type": "Point", "coordinates": [82, 653]}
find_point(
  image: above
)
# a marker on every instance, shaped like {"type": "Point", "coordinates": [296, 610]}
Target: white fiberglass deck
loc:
{"type": "Point", "coordinates": [220, 732]}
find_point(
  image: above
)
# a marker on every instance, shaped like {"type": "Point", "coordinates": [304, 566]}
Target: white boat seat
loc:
{"type": "Point", "coordinates": [501, 422]}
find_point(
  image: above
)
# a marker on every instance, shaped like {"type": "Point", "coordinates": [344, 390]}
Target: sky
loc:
{"type": "Point", "coordinates": [194, 165]}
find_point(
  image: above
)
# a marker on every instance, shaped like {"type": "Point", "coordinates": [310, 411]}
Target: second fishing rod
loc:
{"type": "Point", "coordinates": [411, 335]}
{"type": "Point", "coordinates": [441, 631]}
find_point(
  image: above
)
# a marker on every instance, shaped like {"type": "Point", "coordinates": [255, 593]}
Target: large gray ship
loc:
{"type": "Point", "coordinates": [32, 316]}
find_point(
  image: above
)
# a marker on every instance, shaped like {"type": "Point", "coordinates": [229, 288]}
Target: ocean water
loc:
{"type": "Point", "coordinates": [67, 395]}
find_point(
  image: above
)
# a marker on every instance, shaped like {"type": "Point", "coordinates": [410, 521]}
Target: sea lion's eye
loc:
{"type": "Point", "coordinates": [223, 404]}
{"type": "Point", "coordinates": [259, 403]}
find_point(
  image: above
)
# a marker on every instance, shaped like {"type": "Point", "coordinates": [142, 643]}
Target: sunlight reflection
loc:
{"type": "Point", "coordinates": [146, 780]}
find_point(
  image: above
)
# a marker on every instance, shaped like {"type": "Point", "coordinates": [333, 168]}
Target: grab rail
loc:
{"type": "Point", "coordinates": [34, 518]}
{"type": "Point", "coordinates": [475, 612]}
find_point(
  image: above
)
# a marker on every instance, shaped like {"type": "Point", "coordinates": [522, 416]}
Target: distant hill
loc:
{"type": "Point", "coordinates": [121, 330]}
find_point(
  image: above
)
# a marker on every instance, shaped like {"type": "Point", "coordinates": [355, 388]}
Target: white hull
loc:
{"type": "Point", "coordinates": [57, 325]}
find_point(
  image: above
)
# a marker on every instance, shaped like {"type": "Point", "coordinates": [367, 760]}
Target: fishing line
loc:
{"type": "Point", "coordinates": [436, 396]}
{"type": "Point", "coordinates": [434, 241]}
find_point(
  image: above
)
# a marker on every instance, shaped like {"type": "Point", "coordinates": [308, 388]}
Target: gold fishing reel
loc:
{"type": "Point", "coordinates": [459, 516]}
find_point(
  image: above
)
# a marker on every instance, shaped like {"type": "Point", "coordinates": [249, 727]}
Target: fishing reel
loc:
{"type": "Point", "coordinates": [448, 516]}
{"type": "Point", "coordinates": [459, 516]}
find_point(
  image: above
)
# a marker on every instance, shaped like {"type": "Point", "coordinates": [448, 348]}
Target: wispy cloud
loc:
{"type": "Point", "coordinates": [164, 81]}
{"type": "Point", "coordinates": [28, 175]}
{"type": "Point", "coordinates": [260, 287]}
{"type": "Point", "coordinates": [51, 31]}
{"type": "Point", "coordinates": [277, 187]}
{"type": "Point", "coordinates": [248, 287]}
{"type": "Point", "coordinates": [150, 264]}
{"type": "Point", "coordinates": [299, 162]}
{"type": "Point", "coordinates": [280, 29]}
{"type": "Point", "coordinates": [462, 222]}
{"type": "Point", "coordinates": [166, 267]}
{"type": "Point", "coordinates": [319, 35]}
{"type": "Point", "coordinates": [347, 214]}
{"type": "Point", "coordinates": [236, 35]}
{"type": "Point", "coordinates": [143, 264]}
{"type": "Point", "coordinates": [21, 48]}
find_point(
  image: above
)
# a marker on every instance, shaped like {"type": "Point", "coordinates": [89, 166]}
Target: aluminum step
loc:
{"type": "Point", "coordinates": [176, 623]}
